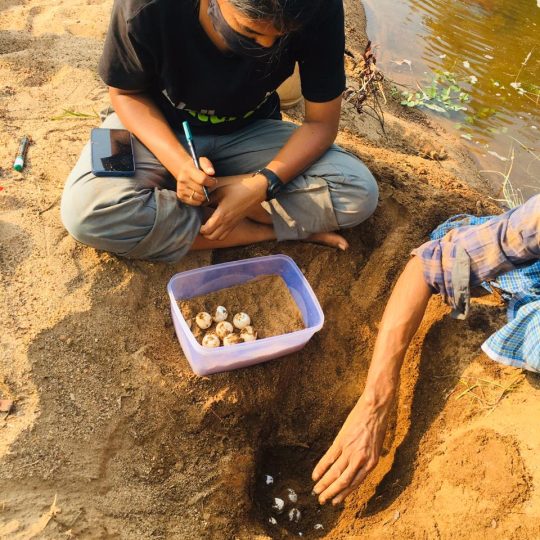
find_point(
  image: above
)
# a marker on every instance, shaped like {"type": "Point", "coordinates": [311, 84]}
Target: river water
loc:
{"type": "Point", "coordinates": [492, 49]}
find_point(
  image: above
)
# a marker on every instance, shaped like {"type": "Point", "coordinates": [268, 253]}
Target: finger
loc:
{"type": "Point", "coordinates": [358, 479]}
{"type": "Point", "coordinates": [213, 222]}
{"type": "Point", "coordinates": [221, 232]}
{"type": "Point", "coordinates": [217, 234]}
{"type": "Point", "coordinates": [331, 475]}
{"type": "Point", "coordinates": [189, 192]}
{"type": "Point", "coordinates": [324, 463]}
{"type": "Point", "coordinates": [206, 166]}
{"type": "Point", "coordinates": [190, 184]}
{"type": "Point", "coordinates": [361, 475]}
{"type": "Point", "coordinates": [341, 483]}
{"type": "Point", "coordinates": [225, 233]}
{"type": "Point", "coordinates": [202, 179]}
{"type": "Point", "coordinates": [191, 197]}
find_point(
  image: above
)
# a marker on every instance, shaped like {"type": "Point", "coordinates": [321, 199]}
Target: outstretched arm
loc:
{"type": "Point", "coordinates": [356, 449]}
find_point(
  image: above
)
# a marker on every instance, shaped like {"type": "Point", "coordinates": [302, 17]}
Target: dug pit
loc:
{"type": "Point", "coordinates": [283, 500]}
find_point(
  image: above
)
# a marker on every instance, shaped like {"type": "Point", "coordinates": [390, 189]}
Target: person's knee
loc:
{"type": "Point", "coordinates": [358, 194]}
{"type": "Point", "coordinates": [128, 223]}
{"type": "Point", "coordinates": [78, 219]}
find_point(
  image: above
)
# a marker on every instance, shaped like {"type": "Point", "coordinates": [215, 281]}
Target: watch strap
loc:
{"type": "Point", "coordinates": [274, 183]}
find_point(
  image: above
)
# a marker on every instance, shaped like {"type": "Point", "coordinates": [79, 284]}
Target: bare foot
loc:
{"type": "Point", "coordinates": [330, 239]}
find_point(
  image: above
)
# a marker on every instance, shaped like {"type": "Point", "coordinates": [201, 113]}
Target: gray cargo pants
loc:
{"type": "Point", "coordinates": [138, 217]}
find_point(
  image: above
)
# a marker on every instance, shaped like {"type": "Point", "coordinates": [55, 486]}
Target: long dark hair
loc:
{"type": "Point", "coordinates": [285, 15]}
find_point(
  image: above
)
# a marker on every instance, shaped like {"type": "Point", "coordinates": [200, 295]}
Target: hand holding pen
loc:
{"type": "Point", "coordinates": [195, 177]}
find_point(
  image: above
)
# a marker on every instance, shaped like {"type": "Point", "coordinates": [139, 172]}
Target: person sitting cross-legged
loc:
{"type": "Point", "coordinates": [217, 64]}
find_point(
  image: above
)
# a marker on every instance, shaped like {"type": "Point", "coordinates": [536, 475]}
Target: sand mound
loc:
{"type": "Point", "coordinates": [110, 419]}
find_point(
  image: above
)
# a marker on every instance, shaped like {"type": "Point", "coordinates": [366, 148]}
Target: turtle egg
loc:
{"type": "Point", "coordinates": [272, 521]}
{"type": "Point", "coordinates": [232, 339]}
{"type": "Point", "coordinates": [203, 320]}
{"type": "Point", "coordinates": [224, 328]}
{"type": "Point", "coordinates": [292, 496]}
{"type": "Point", "coordinates": [294, 515]}
{"type": "Point", "coordinates": [278, 505]}
{"type": "Point", "coordinates": [268, 480]}
{"type": "Point", "coordinates": [220, 314]}
{"type": "Point", "coordinates": [211, 341]}
{"type": "Point", "coordinates": [318, 526]}
{"type": "Point", "coordinates": [241, 320]}
{"type": "Point", "coordinates": [248, 334]}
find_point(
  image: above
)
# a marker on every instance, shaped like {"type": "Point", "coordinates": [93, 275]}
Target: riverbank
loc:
{"type": "Point", "coordinates": [488, 50]}
{"type": "Point", "coordinates": [110, 423]}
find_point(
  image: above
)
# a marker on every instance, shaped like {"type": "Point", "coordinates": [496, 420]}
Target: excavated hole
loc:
{"type": "Point", "coordinates": [290, 467]}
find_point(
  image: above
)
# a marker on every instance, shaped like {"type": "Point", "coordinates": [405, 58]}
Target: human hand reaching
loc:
{"type": "Point", "coordinates": [354, 453]}
{"type": "Point", "coordinates": [190, 181]}
{"type": "Point", "coordinates": [234, 198]}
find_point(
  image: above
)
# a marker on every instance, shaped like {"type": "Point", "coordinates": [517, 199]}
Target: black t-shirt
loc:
{"type": "Point", "coordinates": [160, 46]}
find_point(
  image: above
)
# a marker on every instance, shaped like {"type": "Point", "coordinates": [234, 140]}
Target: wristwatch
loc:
{"type": "Point", "coordinates": [274, 182]}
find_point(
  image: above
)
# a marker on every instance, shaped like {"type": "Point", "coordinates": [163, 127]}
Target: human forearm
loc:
{"type": "Point", "coordinates": [310, 141]}
{"type": "Point", "coordinates": [141, 116]}
{"type": "Point", "coordinates": [307, 144]}
{"type": "Point", "coordinates": [401, 319]}
{"type": "Point", "coordinates": [357, 447]}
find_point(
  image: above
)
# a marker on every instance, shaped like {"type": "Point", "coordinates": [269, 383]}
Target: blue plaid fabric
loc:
{"type": "Point", "coordinates": [518, 342]}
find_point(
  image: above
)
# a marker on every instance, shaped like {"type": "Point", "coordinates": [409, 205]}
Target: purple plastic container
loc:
{"type": "Point", "coordinates": [205, 361]}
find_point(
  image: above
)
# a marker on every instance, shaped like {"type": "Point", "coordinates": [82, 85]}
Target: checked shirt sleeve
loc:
{"type": "Point", "coordinates": [475, 250]}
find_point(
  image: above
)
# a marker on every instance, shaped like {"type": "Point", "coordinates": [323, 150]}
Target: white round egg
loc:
{"type": "Point", "coordinates": [220, 314]}
{"type": "Point", "coordinates": [248, 334]}
{"type": "Point", "coordinates": [224, 328]}
{"type": "Point", "coordinates": [241, 320]}
{"type": "Point", "coordinates": [211, 341]}
{"type": "Point", "coordinates": [231, 339]}
{"type": "Point", "coordinates": [278, 505]}
{"type": "Point", "coordinates": [203, 320]}
{"type": "Point", "coordinates": [294, 515]}
{"type": "Point", "coordinates": [291, 495]}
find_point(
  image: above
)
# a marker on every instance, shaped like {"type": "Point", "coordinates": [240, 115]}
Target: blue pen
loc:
{"type": "Point", "coordinates": [189, 138]}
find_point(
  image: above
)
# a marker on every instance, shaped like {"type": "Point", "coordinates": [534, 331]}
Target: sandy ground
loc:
{"type": "Point", "coordinates": [112, 436]}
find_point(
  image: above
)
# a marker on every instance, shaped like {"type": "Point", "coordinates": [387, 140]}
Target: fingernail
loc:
{"type": "Point", "coordinates": [313, 493]}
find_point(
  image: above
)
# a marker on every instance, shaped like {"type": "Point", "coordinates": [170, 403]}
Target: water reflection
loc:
{"type": "Point", "coordinates": [493, 47]}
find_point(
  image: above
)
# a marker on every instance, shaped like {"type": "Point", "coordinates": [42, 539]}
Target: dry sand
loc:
{"type": "Point", "coordinates": [110, 422]}
{"type": "Point", "coordinates": [266, 299]}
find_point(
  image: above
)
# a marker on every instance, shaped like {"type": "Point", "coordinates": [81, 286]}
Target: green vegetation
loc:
{"type": "Point", "coordinates": [67, 113]}
{"type": "Point", "coordinates": [444, 94]}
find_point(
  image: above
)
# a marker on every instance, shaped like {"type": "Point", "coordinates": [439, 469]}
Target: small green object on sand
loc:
{"type": "Point", "coordinates": [18, 165]}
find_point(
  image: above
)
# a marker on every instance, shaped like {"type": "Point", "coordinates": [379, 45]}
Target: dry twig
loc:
{"type": "Point", "coordinates": [366, 98]}
{"type": "Point", "coordinates": [483, 400]}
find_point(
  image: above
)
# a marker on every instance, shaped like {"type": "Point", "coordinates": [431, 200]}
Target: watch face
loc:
{"type": "Point", "coordinates": [275, 187]}
{"type": "Point", "coordinates": [274, 183]}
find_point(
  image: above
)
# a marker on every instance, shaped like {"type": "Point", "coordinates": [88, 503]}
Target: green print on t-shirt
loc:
{"type": "Point", "coordinates": [215, 119]}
